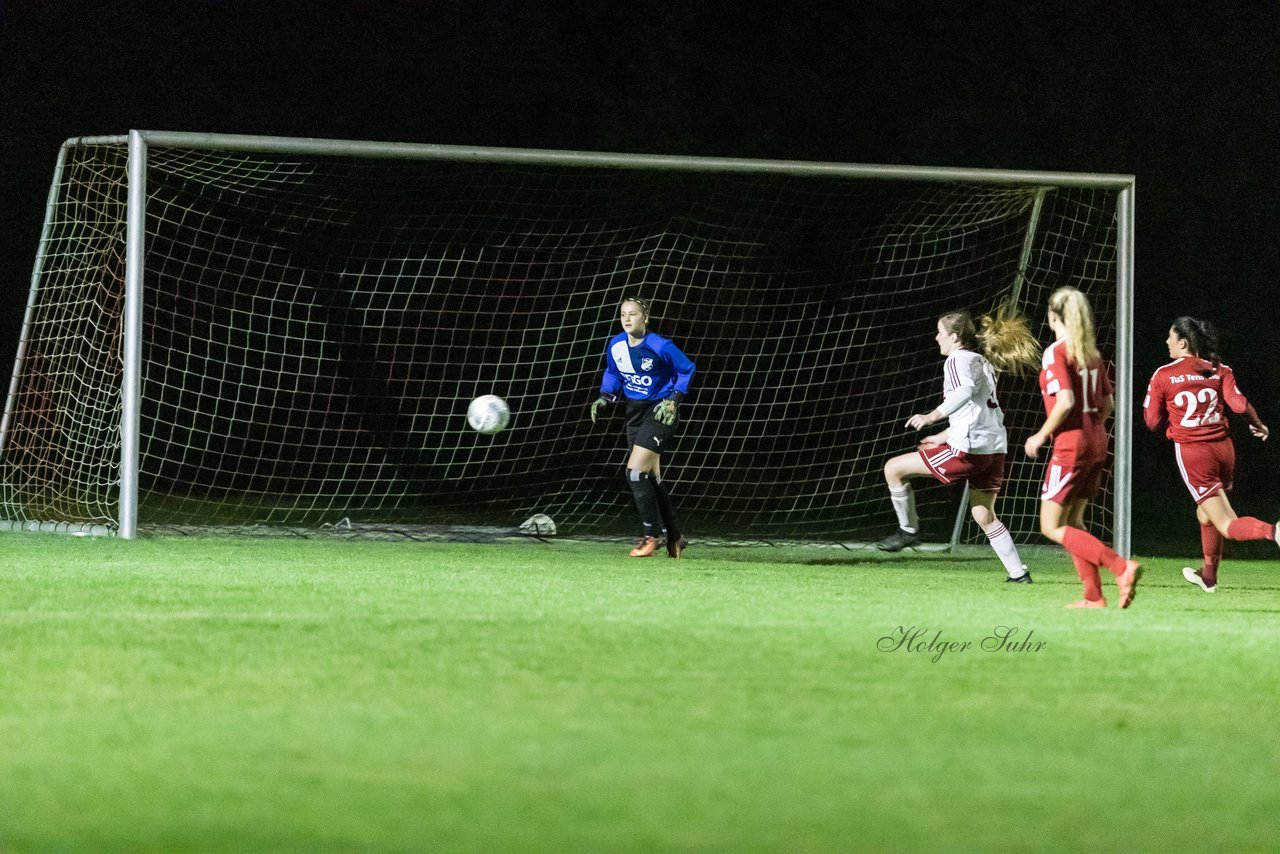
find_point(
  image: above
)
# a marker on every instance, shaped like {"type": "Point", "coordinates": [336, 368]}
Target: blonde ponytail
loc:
{"type": "Point", "coordinates": [1072, 309]}
{"type": "Point", "coordinates": [1007, 341]}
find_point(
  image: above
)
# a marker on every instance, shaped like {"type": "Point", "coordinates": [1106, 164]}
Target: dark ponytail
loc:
{"type": "Point", "coordinates": [1201, 337]}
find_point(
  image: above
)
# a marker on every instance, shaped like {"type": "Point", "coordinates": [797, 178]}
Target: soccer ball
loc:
{"type": "Point", "coordinates": [488, 414]}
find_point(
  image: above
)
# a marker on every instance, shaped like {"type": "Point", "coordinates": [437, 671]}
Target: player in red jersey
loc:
{"type": "Point", "coordinates": [1186, 396]}
{"type": "Point", "coordinates": [1078, 401]}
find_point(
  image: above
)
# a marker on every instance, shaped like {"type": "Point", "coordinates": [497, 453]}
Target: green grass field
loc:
{"type": "Point", "coordinates": [247, 695]}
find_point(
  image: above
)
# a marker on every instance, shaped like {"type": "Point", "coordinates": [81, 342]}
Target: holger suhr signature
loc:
{"type": "Point", "coordinates": [920, 639]}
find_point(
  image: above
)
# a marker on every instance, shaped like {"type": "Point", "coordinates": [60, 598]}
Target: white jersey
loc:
{"type": "Point", "coordinates": [969, 400]}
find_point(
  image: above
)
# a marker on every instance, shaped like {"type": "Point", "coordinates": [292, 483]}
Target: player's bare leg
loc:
{"type": "Point", "coordinates": [1216, 510]}
{"type": "Point", "coordinates": [643, 459]}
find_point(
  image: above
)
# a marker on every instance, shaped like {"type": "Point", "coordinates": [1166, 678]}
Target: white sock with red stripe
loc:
{"type": "Point", "coordinates": [904, 504]}
{"type": "Point", "coordinates": [1002, 543]}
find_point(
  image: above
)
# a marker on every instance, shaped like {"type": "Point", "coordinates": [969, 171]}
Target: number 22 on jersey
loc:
{"type": "Point", "coordinates": [1194, 416]}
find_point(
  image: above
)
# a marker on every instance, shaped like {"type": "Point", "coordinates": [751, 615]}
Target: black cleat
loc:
{"type": "Point", "coordinates": [897, 541]}
{"type": "Point", "coordinates": [1025, 578]}
{"type": "Point", "coordinates": [676, 547]}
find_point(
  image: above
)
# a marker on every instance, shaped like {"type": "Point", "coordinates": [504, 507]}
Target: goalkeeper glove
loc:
{"type": "Point", "coordinates": [602, 400]}
{"type": "Point", "coordinates": [665, 412]}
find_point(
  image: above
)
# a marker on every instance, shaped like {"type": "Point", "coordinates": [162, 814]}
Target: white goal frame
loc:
{"type": "Point", "coordinates": [140, 142]}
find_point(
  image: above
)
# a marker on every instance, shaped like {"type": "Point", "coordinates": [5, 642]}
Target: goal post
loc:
{"type": "Point", "coordinates": [239, 331]}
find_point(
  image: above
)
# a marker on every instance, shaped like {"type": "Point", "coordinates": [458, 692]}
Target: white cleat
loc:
{"type": "Point", "coordinates": [1194, 577]}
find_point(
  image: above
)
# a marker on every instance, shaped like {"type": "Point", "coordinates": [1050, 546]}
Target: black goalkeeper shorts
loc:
{"type": "Point", "coordinates": [645, 430]}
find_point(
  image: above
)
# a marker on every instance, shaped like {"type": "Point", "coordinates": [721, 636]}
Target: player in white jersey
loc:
{"type": "Point", "coordinates": [975, 419]}
{"type": "Point", "coordinates": [973, 447]}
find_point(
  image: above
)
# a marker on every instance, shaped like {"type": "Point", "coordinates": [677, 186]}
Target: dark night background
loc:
{"type": "Point", "coordinates": [1186, 101]}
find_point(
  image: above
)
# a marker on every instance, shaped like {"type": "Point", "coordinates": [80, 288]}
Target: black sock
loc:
{"type": "Point", "coordinates": [667, 512]}
{"type": "Point", "coordinates": [646, 500]}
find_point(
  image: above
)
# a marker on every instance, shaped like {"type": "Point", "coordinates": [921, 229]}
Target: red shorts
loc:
{"type": "Point", "coordinates": [1075, 466]}
{"type": "Point", "coordinates": [984, 472]}
{"type": "Point", "coordinates": [1207, 467]}
{"type": "Point", "coordinates": [1067, 477]}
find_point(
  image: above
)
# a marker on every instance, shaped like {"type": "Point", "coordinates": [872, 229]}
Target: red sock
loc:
{"type": "Point", "coordinates": [1089, 575]}
{"type": "Point", "coordinates": [1211, 546]}
{"type": "Point", "coordinates": [1249, 528]}
{"type": "Point", "coordinates": [1084, 545]}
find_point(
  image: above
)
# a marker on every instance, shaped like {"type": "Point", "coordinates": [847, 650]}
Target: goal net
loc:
{"type": "Point", "coordinates": [313, 318]}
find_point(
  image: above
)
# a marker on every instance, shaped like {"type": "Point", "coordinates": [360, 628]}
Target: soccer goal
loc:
{"type": "Point", "coordinates": [245, 332]}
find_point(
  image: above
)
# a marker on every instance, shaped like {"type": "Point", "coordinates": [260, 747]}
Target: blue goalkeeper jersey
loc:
{"type": "Point", "coordinates": [655, 369]}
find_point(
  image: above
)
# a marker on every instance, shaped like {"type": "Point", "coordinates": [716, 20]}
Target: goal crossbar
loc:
{"type": "Point", "coordinates": [601, 159]}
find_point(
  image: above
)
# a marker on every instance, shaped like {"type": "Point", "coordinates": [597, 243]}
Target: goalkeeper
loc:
{"type": "Point", "coordinates": [653, 375]}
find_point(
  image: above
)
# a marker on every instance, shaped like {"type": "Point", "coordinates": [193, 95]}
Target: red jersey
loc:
{"type": "Point", "coordinates": [1188, 393]}
{"type": "Point", "coordinates": [1084, 428]}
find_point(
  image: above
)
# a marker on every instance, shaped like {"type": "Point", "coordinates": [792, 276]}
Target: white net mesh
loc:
{"type": "Point", "coordinates": [314, 328]}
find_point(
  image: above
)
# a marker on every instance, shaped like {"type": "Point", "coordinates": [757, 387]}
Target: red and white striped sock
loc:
{"type": "Point", "coordinates": [1002, 543]}
{"type": "Point", "coordinates": [904, 505]}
